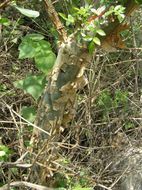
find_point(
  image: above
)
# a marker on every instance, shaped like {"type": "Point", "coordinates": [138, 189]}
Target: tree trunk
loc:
{"type": "Point", "coordinates": [57, 106]}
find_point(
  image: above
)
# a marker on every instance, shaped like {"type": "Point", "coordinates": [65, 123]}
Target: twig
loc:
{"type": "Point", "coordinates": [117, 180]}
{"type": "Point", "coordinates": [18, 163]}
{"type": "Point", "coordinates": [40, 129]}
{"type": "Point", "coordinates": [100, 185]}
{"type": "Point", "coordinates": [26, 184]}
{"type": "Point", "coordinates": [5, 3]}
{"type": "Point", "coordinates": [14, 165]}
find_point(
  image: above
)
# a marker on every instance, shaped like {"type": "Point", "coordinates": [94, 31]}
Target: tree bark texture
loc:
{"type": "Point", "coordinates": [57, 106]}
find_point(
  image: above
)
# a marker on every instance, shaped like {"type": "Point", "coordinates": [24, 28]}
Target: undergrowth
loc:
{"type": "Point", "coordinates": [108, 116]}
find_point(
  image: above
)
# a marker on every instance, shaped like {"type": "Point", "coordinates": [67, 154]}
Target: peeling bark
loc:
{"type": "Point", "coordinates": [56, 108]}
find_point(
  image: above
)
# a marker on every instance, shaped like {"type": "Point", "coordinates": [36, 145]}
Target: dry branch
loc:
{"type": "Point", "coordinates": [25, 184]}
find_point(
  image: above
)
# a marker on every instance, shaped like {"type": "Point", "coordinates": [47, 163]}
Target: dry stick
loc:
{"type": "Point", "coordinates": [40, 129]}
{"type": "Point", "coordinates": [20, 131]}
{"type": "Point", "coordinates": [18, 163]}
{"type": "Point", "coordinates": [26, 184]}
{"type": "Point", "coordinates": [100, 185]}
{"type": "Point", "coordinates": [5, 3]}
{"type": "Point", "coordinates": [117, 180]}
{"type": "Point", "coordinates": [14, 165]}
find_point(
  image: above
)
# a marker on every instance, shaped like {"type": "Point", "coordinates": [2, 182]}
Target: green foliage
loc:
{"type": "Point", "coordinates": [110, 2]}
{"type": "Point", "coordinates": [28, 113]}
{"type": "Point", "coordinates": [138, 1]}
{"type": "Point", "coordinates": [118, 11]}
{"type": "Point", "coordinates": [4, 153]}
{"type": "Point", "coordinates": [4, 21]}
{"type": "Point", "coordinates": [129, 125]}
{"type": "Point", "coordinates": [107, 102]}
{"type": "Point", "coordinates": [69, 19]}
{"type": "Point", "coordinates": [79, 16]}
{"type": "Point", "coordinates": [33, 85]}
{"type": "Point", "coordinates": [120, 99]}
{"type": "Point", "coordinates": [33, 46]}
{"type": "Point", "coordinates": [97, 41]}
{"type": "Point", "coordinates": [2, 88]}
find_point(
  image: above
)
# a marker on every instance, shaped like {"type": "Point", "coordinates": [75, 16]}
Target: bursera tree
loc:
{"type": "Point", "coordinates": [101, 25]}
{"type": "Point", "coordinates": [97, 24]}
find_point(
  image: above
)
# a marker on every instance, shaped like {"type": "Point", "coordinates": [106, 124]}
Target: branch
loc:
{"type": "Point", "coordinates": [25, 184]}
{"type": "Point", "coordinates": [4, 4]}
{"type": "Point", "coordinates": [53, 15]}
{"type": "Point", "coordinates": [14, 165]}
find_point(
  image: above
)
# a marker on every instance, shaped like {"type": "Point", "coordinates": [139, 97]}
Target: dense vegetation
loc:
{"type": "Point", "coordinates": [70, 92]}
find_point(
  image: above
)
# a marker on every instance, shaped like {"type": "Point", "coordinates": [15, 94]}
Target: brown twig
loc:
{"type": "Point", "coordinates": [4, 4]}
{"type": "Point", "coordinates": [25, 184]}
{"type": "Point", "coordinates": [14, 165]}
{"type": "Point", "coordinates": [53, 15]}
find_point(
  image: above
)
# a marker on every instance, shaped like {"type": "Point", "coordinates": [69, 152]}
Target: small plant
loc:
{"type": "Point", "coordinates": [4, 153]}
{"type": "Point", "coordinates": [108, 102]}
{"type": "Point", "coordinates": [34, 46]}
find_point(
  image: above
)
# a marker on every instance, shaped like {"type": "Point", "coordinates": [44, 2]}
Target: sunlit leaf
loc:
{"type": "Point", "coordinates": [34, 37]}
{"type": "Point", "coordinates": [27, 12]}
{"type": "Point", "coordinates": [27, 49]}
{"type": "Point", "coordinates": [45, 61]}
{"type": "Point", "coordinates": [32, 45]}
{"type": "Point", "coordinates": [100, 32]}
{"type": "Point", "coordinates": [4, 21]}
{"type": "Point", "coordinates": [2, 153]}
{"type": "Point", "coordinates": [97, 41]}
{"type": "Point", "coordinates": [63, 16]}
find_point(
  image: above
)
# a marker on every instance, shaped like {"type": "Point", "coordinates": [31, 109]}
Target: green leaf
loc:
{"type": "Point", "coordinates": [100, 32]}
{"type": "Point", "coordinates": [70, 20]}
{"type": "Point", "coordinates": [34, 37]}
{"type": "Point", "coordinates": [91, 47]}
{"type": "Point", "coordinates": [45, 61]}
{"type": "Point", "coordinates": [29, 113]}
{"type": "Point", "coordinates": [4, 152]}
{"type": "Point", "coordinates": [138, 1]}
{"type": "Point", "coordinates": [97, 41]}
{"type": "Point", "coordinates": [27, 49]}
{"type": "Point", "coordinates": [63, 16]}
{"type": "Point", "coordinates": [19, 84]}
{"type": "Point", "coordinates": [32, 45]}
{"type": "Point", "coordinates": [33, 85]}
{"type": "Point", "coordinates": [27, 12]}
{"type": "Point", "coordinates": [5, 21]}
